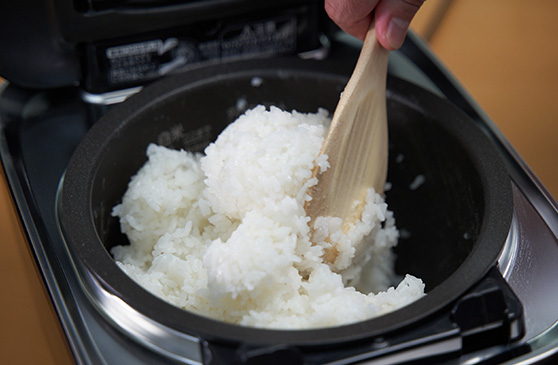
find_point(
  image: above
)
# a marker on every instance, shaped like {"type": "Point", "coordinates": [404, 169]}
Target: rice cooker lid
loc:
{"type": "Point", "coordinates": [83, 239]}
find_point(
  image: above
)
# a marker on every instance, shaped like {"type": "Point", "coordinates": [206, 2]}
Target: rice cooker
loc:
{"type": "Point", "coordinates": [119, 75]}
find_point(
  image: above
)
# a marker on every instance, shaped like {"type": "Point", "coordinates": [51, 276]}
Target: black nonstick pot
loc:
{"type": "Point", "coordinates": [450, 193]}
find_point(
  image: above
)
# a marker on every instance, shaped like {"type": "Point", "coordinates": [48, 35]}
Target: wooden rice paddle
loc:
{"type": "Point", "coordinates": [357, 142]}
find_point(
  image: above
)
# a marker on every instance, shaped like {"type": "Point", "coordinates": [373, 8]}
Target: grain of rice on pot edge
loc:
{"type": "Point", "coordinates": [225, 234]}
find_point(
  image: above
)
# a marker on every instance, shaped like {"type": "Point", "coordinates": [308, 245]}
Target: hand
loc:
{"type": "Point", "coordinates": [392, 18]}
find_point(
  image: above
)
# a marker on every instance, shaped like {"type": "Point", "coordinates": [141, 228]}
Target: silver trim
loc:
{"type": "Point", "coordinates": [147, 332]}
{"type": "Point", "coordinates": [109, 98]}
{"type": "Point", "coordinates": [544, 347]}
{"type": "Point", "coordinates": [140, 328]}
{"type": "Point", "coordinates": [506, 261]}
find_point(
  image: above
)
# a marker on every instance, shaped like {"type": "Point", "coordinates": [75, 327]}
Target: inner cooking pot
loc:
{"type": "Point", "coordinates": [450, 192]}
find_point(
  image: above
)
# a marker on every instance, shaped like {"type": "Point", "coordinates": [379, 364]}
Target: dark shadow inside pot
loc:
{"type": "Point", "coordinates": [436, 195]}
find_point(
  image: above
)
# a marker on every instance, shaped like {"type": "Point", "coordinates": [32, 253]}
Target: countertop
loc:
{"type": "Point", "coordinates": [503, 52]}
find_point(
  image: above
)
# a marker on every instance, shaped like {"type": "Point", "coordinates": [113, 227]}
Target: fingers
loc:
{"type": "Point", "coordinates": [392, 19]}
{"type": "Point", "coordinates": [353, 16]}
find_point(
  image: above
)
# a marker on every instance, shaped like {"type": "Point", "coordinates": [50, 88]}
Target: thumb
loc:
{"type": "Point", "coordinates": [392, 19]}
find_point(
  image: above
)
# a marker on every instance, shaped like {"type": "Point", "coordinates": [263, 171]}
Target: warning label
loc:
{"type": "Point", "coordinates": [259, 38]}
{"type": "Point", "coordinates": [142, 61]}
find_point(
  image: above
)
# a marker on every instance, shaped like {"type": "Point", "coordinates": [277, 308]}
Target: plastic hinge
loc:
{"type": "Point", "coordinates": [489, 314]}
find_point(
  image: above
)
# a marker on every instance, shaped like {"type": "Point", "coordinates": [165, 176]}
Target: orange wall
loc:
{"type": "Point", "coordinates": [29, 329]}
{"type": "Point", "coordinates": [505, 53]}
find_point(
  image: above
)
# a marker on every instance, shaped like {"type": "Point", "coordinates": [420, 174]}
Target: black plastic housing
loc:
{"type": "Point", "coordinates": [56, 43]}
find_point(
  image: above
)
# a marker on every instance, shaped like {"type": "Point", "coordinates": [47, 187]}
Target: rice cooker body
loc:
{"type": "Point", "coordinates": [450, 191]}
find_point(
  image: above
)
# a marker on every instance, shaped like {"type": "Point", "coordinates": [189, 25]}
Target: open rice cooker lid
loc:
{"type": "Point", "coordinates": [458, 220]}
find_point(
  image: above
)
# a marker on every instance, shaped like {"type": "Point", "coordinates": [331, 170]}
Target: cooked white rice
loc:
{"type": "Point", "coordinates": [225, 235]}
